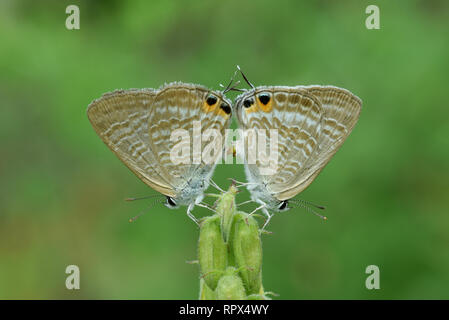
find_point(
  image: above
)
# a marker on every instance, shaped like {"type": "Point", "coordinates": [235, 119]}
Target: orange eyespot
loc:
{"type": "Point", "coordinates": [226, 108]}
{"type": "Point", "coordinates": [211, 100]}
{"type": "Point", "coordinates": [217, 105]}
{"type": "Point", "coordinates": [250, 105]}
{"type": "Point", "coordinates": [210, 103]}
{"type": "Point", "coordinates": [264, 98]}
{"type": "Point", "coordinates": [248, 102]}
{"type": "Point", "coordinates": [264, 101]}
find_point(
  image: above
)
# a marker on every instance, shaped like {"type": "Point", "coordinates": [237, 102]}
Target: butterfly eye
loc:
{"type": "Point", "coordinates": [170, 202]}
{"type": "Point", "coordinates": [248, 103]}
{"type": "Point", "coordinates": [283, 205]}
{"type": "Point", "coordinates": [211, 100]}
{"type": "Point", "coordinates": [226, 108]}
{"type": "Point", "coordinates": [264, 98]}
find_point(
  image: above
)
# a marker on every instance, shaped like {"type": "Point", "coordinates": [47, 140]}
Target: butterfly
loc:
{"type": "Point", "coordinates": [311, 123]}
{"type": "Point", "coordinates": [137, 125]}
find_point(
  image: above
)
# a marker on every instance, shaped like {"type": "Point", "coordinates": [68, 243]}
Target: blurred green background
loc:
{"type": "Point", "coordinates": [62, 190]}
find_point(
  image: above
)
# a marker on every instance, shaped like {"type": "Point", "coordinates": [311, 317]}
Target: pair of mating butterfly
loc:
{"type": "Point", "coordinates": [312, 123]}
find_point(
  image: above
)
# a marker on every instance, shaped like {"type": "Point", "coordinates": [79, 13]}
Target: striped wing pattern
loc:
{"type": "Point", "coordinates": [312, 124]}
{"type": "Point", "coordinates": [136, 125]}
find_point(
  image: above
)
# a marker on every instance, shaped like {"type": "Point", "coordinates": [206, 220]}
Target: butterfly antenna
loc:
{"type": "Point", "coordinates": [309, 203]}
{"type": "Point", "coordinates": [310, 209]}
{"type": "Point", "coordinates": [146, 197]}
{"type": "Point", "coordinates": [234, 87]}
{"type": "Point", "coordinates": [144, 211]}
{"type": "Point", "coordinates": [244, 77]}
{"type": "Point", "coordinates": [228, 87]}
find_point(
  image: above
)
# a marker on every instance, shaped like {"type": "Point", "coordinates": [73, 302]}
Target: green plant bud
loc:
{"type": "Point", "coordinates": [206, 293]}
{"type": "Point", "coordinates": [226, 208]}
{"type": "Point", "coordinates": [212, 251]}
{"type": "Point", "coordinates": [230, 286]}
{"type": "Point", "coordinates": [247, 251]}
{"type": "Point", "coordinates": [262, 295]}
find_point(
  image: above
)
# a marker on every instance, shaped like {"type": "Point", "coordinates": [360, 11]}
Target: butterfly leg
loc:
{"type": "Point", "coordinates": [206, 206]}
{"type": "Point", "coordinates": [190, 215]}
{"type": "Point", "coordinates": [244, 202]}
{"type": "Point", "coordinates": [263, 207]}
{"type": "Point", "coordinates": [237, 182]}
{"type": "Point", "coordinates": [257, 209]}
{"type": "Point", "coordinates": [213, 184]}
{"type": "Point", "coordinates": [243, 184]}
{"type": "Point", "coordinates": [264, 210]}
{"type": "Point", "coordinates": [212, 195]}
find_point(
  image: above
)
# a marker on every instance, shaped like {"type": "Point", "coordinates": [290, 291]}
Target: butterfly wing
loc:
{"type": "Point", "coordinates": [295, 114]}
{"type": "Point", "coordinates": [186, 107]}
{"type": "Point", "coordinates": [312, 123]}
{"type": "Point", "coordinates": [341, 110]}
{"type": "Point", "coordinates": [120, 119]}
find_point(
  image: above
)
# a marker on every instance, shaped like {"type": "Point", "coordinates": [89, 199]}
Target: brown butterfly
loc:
{"type": "Point", "coordinates": [137, 124]}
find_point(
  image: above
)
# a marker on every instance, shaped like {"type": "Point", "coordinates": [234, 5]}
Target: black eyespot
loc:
{"type": "Point", "coordinates": [226, 108]}
{"type": "Point", "coordinates": [211, 100]}
{"type": "Point", "coordinates": [283, 205]}
{"type": "Point", "coordinates": [264, 98]}
{"type": "Point", "coordinates": [171, 202]}
{"type": "Point", "coordinates": [248, 103]}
